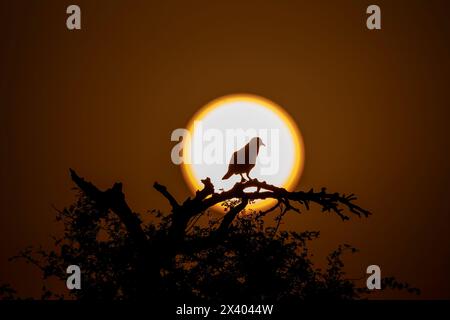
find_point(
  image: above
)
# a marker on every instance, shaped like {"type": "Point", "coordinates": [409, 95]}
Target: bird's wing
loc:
{"type": "Point", "coordinates": [240, 156]}
{"type": "Point", "coordinates": [234, 158]}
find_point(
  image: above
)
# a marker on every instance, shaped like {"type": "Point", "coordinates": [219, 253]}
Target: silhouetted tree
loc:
{"type": "Point", "coordinates": [234, 257]}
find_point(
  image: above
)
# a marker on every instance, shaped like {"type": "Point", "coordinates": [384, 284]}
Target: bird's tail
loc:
{"type": "Point", "coordinates": [227, 175]}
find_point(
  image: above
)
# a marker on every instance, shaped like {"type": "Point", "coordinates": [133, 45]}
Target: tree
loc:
{"type": "Point", "coordinates": [236, 256]}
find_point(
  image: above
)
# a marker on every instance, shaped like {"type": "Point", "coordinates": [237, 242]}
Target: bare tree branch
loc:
{"type": "Point", "coordinates": [113, 199]}
{"type": "Point", "coordinates": [206, 198]}
{"type": "Point", "coordinates": [163, 190]}
{"type": "Point", "coordinates": [335, 202]}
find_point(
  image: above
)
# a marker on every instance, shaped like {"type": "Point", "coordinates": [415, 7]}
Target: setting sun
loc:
{"type": "Point", "coordinates": [226, 125]}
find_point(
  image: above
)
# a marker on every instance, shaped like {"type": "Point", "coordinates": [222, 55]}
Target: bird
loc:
{"type": "Point", "coordinates": [243, 160]}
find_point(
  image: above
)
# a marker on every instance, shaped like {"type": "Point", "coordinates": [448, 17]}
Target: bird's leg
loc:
{"type": "Point", "coordinates": [248, 176]}
{"type": "Point", "coordinates": [242, 178]}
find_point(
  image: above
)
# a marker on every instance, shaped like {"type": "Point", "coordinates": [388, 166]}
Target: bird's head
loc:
{"type": "Point", "coordinates": [257, 141]}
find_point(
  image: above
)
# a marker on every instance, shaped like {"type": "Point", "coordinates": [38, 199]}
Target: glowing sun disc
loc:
{"type": "Point", "coordinates": [280, 162]}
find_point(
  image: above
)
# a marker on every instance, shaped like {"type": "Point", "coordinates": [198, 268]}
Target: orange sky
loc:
{"type": "Point", "coordinates": [373, 109]}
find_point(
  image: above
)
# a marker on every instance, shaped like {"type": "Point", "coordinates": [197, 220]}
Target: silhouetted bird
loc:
{"type": "Point", "coordinates": [244, 159]}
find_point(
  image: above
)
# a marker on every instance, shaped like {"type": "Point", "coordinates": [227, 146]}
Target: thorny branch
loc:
{"type": "Point", "coordinates": [205, 198]}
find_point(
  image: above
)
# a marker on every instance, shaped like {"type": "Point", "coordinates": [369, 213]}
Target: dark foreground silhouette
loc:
{"type": "Point", "coordinates": [236, 257]}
